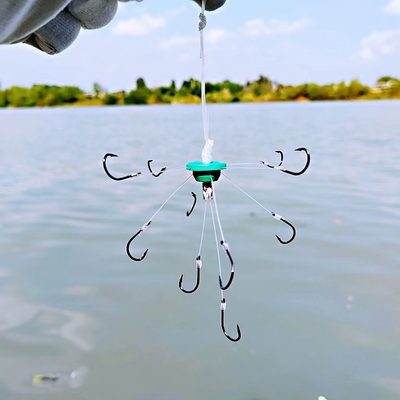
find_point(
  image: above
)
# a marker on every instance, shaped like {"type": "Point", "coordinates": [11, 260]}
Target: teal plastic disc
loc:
{"type": "Point", "coordinates": [206, 172]}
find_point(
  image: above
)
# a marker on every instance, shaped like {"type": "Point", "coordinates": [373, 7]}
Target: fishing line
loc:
{"type": "Point", "coordinates": [206, 154]}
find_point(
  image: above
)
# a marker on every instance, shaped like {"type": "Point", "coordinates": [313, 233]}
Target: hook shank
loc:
{"type": "Point", "coordinates": [193, 206]}
{"type": "Point", "coordinates": [225, 246]}
{"type": "Point", "coordinates": [239, 334]}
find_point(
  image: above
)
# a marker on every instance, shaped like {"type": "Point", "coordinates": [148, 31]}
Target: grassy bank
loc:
{"type": "Point", "coordinates": [261, 90]}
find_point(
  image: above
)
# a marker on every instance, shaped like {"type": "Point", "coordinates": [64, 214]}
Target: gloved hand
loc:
{"type": "Point", "coordinates": [211, 5]}
{"type": "Point", "coordinates": [52, 25]}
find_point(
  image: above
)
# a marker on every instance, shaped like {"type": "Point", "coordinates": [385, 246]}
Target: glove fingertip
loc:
{"type": "Point", "coordinates": [58, 34]}
{"type": "Point", "coordinates": [93, 14]}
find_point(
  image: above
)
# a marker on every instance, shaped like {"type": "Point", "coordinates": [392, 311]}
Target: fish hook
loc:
{"type": "Point", "coordinates": [280, 218]}
{"type": "Point", "coordinates": [306, 166]}
{"type": "Point", "coordinates": [225, 246]}
{"type": "Point", "coordinates": [138, 233]}
{"type": "Point", "coordinates": [286, 171]}
{"type": "Point", "coordinates": [162, 170]}
{"type": "Point", "coordinates": [113, 177]}
{"type": "Point", "coordinates": [194, 204]}
{"type": "Point", "coordinates": [223, 308]}
{"type": "Point", "coordinates": [198, 266]}
{"type": "Point", "coordinates": [273, 166]}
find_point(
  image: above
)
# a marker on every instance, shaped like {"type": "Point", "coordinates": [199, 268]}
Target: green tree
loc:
{"type": "Point", "coordinates": [98, 90]}
{"type": "Point", "coordinates": [357, 89]}
{"type": "Point", "coordinates": [192, 87]}
{"type": "Point", "coordinates": [19, 97]}
{"type": "Point", "coordinates": [385, 80]}
{"type": "Point", "coordinates": [173, 88]}
{"type": "Point", "coordinates": [110, 99]}
{"type": "Point", "coordinates": [3, 99]}
{"type": "Point", "coordinates": [139, 96]}
{"type": "Point", "coordinates": [140, 84]}
{"type": "Point", "coordinates": [341, 91]}
{"type": "Point", "coordinates": [264, 85]}
{"type": "Point", "coordinates": [234, 88]}
{"type": "Point", "coordinates": [70, 94]}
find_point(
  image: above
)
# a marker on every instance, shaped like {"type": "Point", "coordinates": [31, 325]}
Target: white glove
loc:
{"type": "Point", "coordinates": [52, 25]}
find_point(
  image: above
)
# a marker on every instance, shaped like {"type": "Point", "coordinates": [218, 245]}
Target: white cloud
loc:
{"type": "Point", "coordinates": [211, 37]}
{"type": "Point", "coordinates": [139, 26]}
{"type": "Point", "coordinates": [215, 35]}
{"type": "Point", "coordinates": [179, 41]}
{"type": "Point", "coordinates": [257, 27]}
{"type": "Point", "coordinates": [379, 43]}
{"type": "Point", "coordinates": [393, 7]}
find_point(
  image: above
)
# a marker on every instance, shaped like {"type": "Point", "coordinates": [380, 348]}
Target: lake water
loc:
{"type": "Point", "coordinates": [319, 316]}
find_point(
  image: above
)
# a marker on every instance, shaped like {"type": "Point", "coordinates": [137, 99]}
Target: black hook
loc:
{"type": "Point", "coordinates": [144, 227]}
{"type": "Point", "coordinates": [162, 170]}
{"type": "Point", "coordinates": [194, 204]}
{"type": "Point", "coordinates": [223, 307]}
{"type": "Point", "coordinates": [306, 166]}
{"type": "Point", "coordinates": [113, 177]}
{"type": "Point", "coordinates": [280, 218]}
{"type": "Point", "coordinates": [198, 266]}
{"type": "Point", "coordinates": [226, 248]}
{"type": "Point", "coordinates": [286, 171]}
{"type": "Point", "coordinates": [273, 166]}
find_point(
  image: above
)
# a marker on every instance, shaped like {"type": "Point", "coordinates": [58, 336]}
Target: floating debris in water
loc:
{"type": "Point", "coordinates": [72, 380]}
{"type": "Point", "coordinates": [39, 379]}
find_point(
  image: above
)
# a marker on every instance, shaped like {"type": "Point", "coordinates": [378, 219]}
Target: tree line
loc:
{"type": "Point", "coordinates": [189, 92]}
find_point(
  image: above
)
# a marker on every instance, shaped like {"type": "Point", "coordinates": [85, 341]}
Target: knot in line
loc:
{"type": "Point", "coordinates": [203, 21]}
{"type": "Point", "coordinates": [206, 154]}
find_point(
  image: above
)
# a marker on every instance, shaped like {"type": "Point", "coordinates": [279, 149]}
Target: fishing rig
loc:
{"type": "Point", "coordinates": [207, 172]}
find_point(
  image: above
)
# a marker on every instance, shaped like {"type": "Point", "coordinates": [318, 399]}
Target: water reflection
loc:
{"type": "Point", "coordinates": [321, 316]}
{"type": "Point", "coordinates": [37, 339]}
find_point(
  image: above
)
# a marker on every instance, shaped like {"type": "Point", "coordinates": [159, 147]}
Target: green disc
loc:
{"type": "Point", "coordinates": [206, 172]}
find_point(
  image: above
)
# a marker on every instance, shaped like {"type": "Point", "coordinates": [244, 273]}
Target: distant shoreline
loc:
{"type": "Point", "coordinates": [262, 90]}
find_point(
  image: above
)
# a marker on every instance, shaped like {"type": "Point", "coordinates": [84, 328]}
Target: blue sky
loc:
{"type": "Point", "coordinates": [289, 41]}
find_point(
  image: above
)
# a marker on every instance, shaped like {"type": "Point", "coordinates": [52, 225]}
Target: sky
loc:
{"type": "Point", "coordinates": [289, 41]}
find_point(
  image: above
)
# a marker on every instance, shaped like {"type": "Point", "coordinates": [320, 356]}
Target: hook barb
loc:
{"type": "Point", "coordinates": [225, 246]}
{"type": "Point", "coordinates": [280, 218]}
{"type": "Point", "coordinates": [113, 177]}
{"type": "Point", "coordinates": [137, 234]}
{"type": "Point", "coordinates": [162, 170]}
{"type": "Point", "coordinates": [193, 206]}
{"type": "Point", "coordinates": [239, 334]}
{"type": "Point", "coordinates": [198, 267]}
